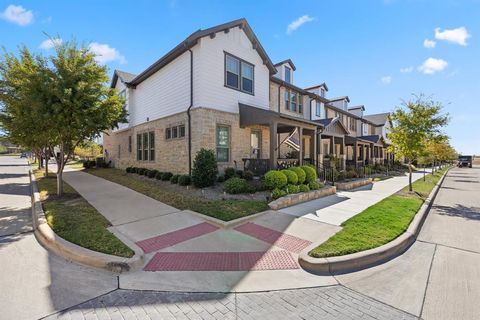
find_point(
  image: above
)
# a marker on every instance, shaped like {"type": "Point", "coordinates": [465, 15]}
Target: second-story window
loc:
{"type": "Point", "coordinates": [293, 101]}
{"type": "Point", "coordinates": [287, 100]}
{"type": "Point", "coordinates": [239, 74]}
{"type": "Point", "coordinates": [317, 108]}
{"type": "Point", "coordinates": [288, 75]}
{"type": "Point", "coordinates": [322, 93]}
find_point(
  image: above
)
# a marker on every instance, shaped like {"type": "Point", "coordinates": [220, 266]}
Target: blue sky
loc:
{"type": "Point", "coordinates": [377, 52]}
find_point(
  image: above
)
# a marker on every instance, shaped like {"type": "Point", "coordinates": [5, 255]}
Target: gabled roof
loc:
{"type": "Point", "coordinates": [318, 86]}
{"type": "Point", "coordinates": [331, 122]}
{"type": "Point", "coordinates": [123, 76]}
{"type": "Point", "coordinates": [378, 119]}
{"type": "Point", "coordinates": [357, 107]}
{"type": "Point", "coordinates": [324, 122]}
{"type": "Point", "coordinates": [289, 61]}
{"type": "Point", "coordinates": [300, 90]}
{"type": "Point", "coordinates": [372, 138]}
{"type": "Point", "coordinates": [192, 40]}
{"type": "Point", "coordinates": [341, 98]}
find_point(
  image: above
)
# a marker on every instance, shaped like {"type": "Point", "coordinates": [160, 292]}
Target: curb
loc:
{"type": "Point", "coordinates": [369, 258]}
{"type": "Point", "coordinates": [72, 252]}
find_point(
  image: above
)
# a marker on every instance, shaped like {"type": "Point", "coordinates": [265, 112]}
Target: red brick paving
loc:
{"type": "Point", "coordinates": [174, 237]}
{"type": "Point", "coordinates": [277, 238]}
{"type": "Point", "coordinates": [221, 261]}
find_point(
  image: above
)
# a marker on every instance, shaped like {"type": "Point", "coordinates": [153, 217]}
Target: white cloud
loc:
{"type": "Point", "coordinates": [458, 35]}
{"type": "Point", "coordinates": [406, 69]}
{"type": "Point", "coordinates": [104, 53]}
{"type": "Point", "coordinates": [427, 43]}
{"type": "Point", "coordinates": [432, 65]}
{"type": "Point", "coordinates": [386, 79]}
{"type": "Point", "coordinates": [294, 25]}
{"type": "Point", "coordinates": [50, 43]}
{"type": "Point", "coordinates": [18, 15]}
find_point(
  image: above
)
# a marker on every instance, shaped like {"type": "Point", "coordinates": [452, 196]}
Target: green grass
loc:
{"type": "Point", "coordinates": [225, 210]}
{"type": "Point", "coordinates": [380, 223]}
{"type": "Point", "coordinates": [75, 220]}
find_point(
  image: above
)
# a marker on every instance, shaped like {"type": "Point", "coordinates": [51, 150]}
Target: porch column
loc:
{"type": "Point", "coordinates": [314, 149]}
{"type": "Point", "coordinates": [332, 145]}
{"type": "Point", "coordinates": [273, 145]}
{"type": "Point", "coordinates": [355, 156]}
{"type": "Point", "coordinates": [342, 152]}
{"type": "Point", "coordinates": [300, 144]}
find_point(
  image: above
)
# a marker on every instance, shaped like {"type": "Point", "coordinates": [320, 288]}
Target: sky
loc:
{"type": "Point", "coordinates": [378, 52]}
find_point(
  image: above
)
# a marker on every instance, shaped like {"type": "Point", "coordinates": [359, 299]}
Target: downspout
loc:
{"type": "Point", "coordinates": [279, 87]}
{"type": "Point", "coordinates": [189, 116]}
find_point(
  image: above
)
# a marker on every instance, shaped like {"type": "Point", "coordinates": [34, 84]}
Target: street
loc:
{"type": "Point", "coordinates": [437, 278]}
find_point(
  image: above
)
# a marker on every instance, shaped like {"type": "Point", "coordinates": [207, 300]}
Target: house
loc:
{"type": "Point", "coordinates": [218, 89]}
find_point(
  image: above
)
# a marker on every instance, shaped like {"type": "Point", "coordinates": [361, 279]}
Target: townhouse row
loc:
{"type": "Point", "coordinates": [218, 89]}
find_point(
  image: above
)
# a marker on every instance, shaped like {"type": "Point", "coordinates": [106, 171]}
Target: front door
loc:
{"type": "Point", "coordinates": [255, 144]}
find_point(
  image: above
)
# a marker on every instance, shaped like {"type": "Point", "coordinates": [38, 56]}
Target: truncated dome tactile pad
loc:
{"type": "Point", "coordinates": [278, 239]}
{"type": "Point", "coordinates": [221, 261]}
{"type": "Point", "coordinates": [174, 237]}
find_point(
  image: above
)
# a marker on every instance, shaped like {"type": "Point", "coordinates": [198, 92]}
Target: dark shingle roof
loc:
{"type": "Point", "coordinates": [325, 122]}
{"type": "Point", "coordinates": [373, 138]}
{"type": "Point", "coordinates": [379, 118]}
{"type": "Point", "coordinates": [123, 76]}
{"type": "Point", "coordinates": [318, 86]}
{"type": "Point", "coordinates": [340, 98]}
{"type": "Point", "coordinates": [289, 61]}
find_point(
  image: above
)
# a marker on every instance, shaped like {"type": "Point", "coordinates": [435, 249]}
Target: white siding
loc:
{"type": "Point", "coordinates": [209, 86]}
{"type": "Point", "coordinates": [314, 110]}
{"type": "Point", "coordinates": [119, 87]}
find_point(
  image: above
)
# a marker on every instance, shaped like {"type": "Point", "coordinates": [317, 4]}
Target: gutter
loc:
{"type": "Point", "coordinates": [189, 116]}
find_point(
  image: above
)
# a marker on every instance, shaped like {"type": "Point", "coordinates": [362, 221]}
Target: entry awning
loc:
{"type": "Point", "coordinates": [257, 116]}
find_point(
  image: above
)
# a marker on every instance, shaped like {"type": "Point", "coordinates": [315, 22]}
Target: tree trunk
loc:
{"type": "Point", "coordinates": [60, 166]}
{"type": "Point", "coordinates": [410, 187]}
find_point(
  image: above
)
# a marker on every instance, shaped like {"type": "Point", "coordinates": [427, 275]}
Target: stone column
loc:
{"type": "Point", "coordinates": [355, 156]}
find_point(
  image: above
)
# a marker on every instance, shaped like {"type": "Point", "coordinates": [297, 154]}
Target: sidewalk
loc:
{"type": "Point", "coordinates": [339, 207]}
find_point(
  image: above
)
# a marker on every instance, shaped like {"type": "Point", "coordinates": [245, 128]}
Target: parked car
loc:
{"type": "Point", "coordinates": [465, 161]}
{"type": "Point", "coordinates": [23, 155]}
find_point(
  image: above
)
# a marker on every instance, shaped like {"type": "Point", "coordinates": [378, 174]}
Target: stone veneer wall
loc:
{"type": "Point", "coordinates": [172, 155]}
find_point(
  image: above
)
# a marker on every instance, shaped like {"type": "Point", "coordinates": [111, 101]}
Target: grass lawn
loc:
{"type": "Point", "coordinates": [75, 220]}
{"type": "Point", "coordinates": [225, 210]}
{"type": "Point", "coordinates": [380, 223]}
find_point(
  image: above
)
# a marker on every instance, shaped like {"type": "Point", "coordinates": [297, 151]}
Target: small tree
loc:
{"type": "Point", "coordinates": [88, 149]}
{"type": "Point", "coordinates": [414, 123]}
{"type": "Point", "coordinates": [205, 169]}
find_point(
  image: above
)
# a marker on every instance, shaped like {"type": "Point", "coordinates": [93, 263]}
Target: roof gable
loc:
{"type": "Point", "coordinates": [123, 76]}
{"type": "Point", "coordinates": [287, 61]}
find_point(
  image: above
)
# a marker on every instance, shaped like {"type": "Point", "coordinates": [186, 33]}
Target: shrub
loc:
{"type": "Point", "coordinates": [100, 162]}
{"type": "Point", "coordinates": [248, 175]}
{"type": "Point", "coordinates": [184, 180]}
{"type": "Point", "coordinates": [152, 173]}
{"type": "Point", "coordinates": [205, 170]}
{"type": "Point", "coordinates": [134, 170]}
{"type": "Point", "coordinates": [128, 169]}
{"type": "Point", "coordinates": [310, 173]}
{"type": "Point", "coordinates": [304, 188]}
{"type": "Point", "coordinates": [239, 173]}
{"type": "Point", "coordinates": [141, 171]}
{"type": "Point", "coordinates": [351, 174]}
{"type": "Point", "coordinates": [166, 176]}
{"type": "Point", "coordinates": [278, 193]}
{"type": "Point", "coordinates": [146, 172]}
{"type": "Point", "coordinates": [275, 179]}
{"type": "Point", "coordinates": [221, 178]}
{"type": "Point", "coordinates": [291, 188]}
{"type": "Point", "coordinates": [237, 185]}
{"type": "Point", "coordinates": [292, 177]}
{"type": "Point", "coordinates": [314, 185]}
{"type": "Point", "coordinates": [174, 178]}
{"type": "Point", "coordinates": [89, 164]}
{"type": "Point", "coordinates": [158, 175]}
{"type": "Point", "coordinates": [300, 173]}
{"type": "Point", "coordinates": [229, 173]}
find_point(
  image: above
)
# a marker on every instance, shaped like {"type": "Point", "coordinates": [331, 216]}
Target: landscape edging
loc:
{"type": "Point", "coordinates": [365, 259]}
{"type": "Point", "coordinates": [72, 252]}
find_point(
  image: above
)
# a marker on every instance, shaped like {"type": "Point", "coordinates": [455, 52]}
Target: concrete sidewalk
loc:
{"type": "Point", "coordinates": [339, 207]}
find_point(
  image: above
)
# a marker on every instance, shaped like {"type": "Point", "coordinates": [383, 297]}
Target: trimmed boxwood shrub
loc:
{"type": "Point", "coordinates": [314, 185]}
{"type": "Point", "coordinates": [221, 178]}
{"type": "Point", "coordinates": [229, 172]}
{"type": "Point", "coordinates": [204, 173]}
{"type": "Point", "coordinates": [184, 180]}
{"type": "Point", "coordinates": [248, 175]}
{"type": "Point", "coordinates": [128, 169]}
{"type": "Point", "coordinates": [89, 164]}
{"type": "Point", "coordinates": [292, 177]}
{"type": "Point", "coordinates": [152, 173]}
{"type": "Point", "coordinates": [166, 176]}
{"type": "Point", "coordinates": [239, 173]}
{"type": "Point", "coordinates": [141, 171]}
{"type": "Point", "coordinates": [304, 188]}
{"type": "Point", "coordinates": [174, 178]}
{"type": "Point", "coordinates": [134, 170]}
{"type": "Point", "coordinates": [310, 173]}
{"type": "Point", "coordinates": [278, 193]}
{"type": "Point", "coordinates": [158, 175]}
{"type": "Point", "coordinates": [275, 179]}
{"type": "Point", "coordinates": [300, 174]}
{"type": "Point", "coordinates": [237, 185]}
{"type": "Point", "coordinates": [291, 188]}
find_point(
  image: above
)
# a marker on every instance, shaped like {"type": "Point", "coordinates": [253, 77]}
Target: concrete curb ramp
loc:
{"type": "Point", "coordinates": [372, 257]}
{"type": "Point", "coordinates": [72, 252]}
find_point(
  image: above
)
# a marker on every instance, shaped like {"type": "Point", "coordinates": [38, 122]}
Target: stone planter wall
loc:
{"type": "Point", "coordinates": [349, 185]}
{"type": "Point", "coordinates": [292, 199]}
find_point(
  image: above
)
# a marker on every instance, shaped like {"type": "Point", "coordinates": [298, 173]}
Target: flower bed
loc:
{"type": "Point", "coordinates": [292, 199]}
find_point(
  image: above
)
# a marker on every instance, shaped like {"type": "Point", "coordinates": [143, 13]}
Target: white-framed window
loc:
{"type": "Point", "coordinates": [322, 92]}
{"type": "Point", "coordinates": [293, 101]}
{"type": "Point", "coordinates": [288, 74]}
{"type": "Point", "coordinates": [239, 74]}
{"type": "Point", "coordinates": [318, 108]}
{"type": "Point", "coordinates": [175, 132]}
{"type": "Point", "coordinates": [223, 143]}
{"type": "Point", "coordinates": [146, 146]}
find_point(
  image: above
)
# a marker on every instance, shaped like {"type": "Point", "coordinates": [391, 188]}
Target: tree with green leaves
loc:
{"type": "Point", "coordinates": [68, 95]}
{"type": "Point", "coordinates": [414, 123]}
